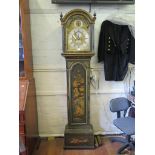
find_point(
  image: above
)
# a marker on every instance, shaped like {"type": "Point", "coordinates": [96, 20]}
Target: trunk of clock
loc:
{"type": "Point", "coordinates": [78, 131]}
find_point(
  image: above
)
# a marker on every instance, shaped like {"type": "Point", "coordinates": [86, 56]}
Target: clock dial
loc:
{"type": "Point", "coordinates": [77, 36]}
{"type": "Point", "coordinates": [78, 39]}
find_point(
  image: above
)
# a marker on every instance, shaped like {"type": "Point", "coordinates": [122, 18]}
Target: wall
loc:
{"type": "Point", "coordinates": [49, 68]}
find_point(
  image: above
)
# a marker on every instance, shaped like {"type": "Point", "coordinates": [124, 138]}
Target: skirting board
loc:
{"type": "Point", "coordinates": [96, 133]}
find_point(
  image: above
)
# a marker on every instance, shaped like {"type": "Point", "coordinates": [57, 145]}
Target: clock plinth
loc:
{"type": "Point", "coordinates": [78, 50]}
{"type": "Point", "coordinates": [79, 136]}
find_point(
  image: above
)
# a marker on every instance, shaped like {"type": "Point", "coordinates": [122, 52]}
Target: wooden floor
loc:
{"type": "Point", "coordinates": [55, 147]}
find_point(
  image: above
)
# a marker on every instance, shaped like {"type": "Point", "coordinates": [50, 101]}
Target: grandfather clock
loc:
{"type": "Point", "coordinates": [78, 45]}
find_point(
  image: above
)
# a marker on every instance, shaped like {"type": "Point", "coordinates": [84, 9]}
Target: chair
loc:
{"type": "Point", "coordinates": [125, 123]}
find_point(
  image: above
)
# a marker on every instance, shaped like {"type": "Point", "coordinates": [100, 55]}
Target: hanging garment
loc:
{"type": "Point", "coordinates": [116, 49]}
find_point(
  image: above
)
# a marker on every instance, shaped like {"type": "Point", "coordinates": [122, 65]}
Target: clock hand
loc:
{"type": "Point", "coordinates": [74, 37]}
{"type": "Point", "coordinates": [78, 36]}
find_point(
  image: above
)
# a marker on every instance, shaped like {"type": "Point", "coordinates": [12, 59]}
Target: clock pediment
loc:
{"type": "Point", "coordinates": [72, 13]}
{"type": "Point", "coordinates": [78, 31]}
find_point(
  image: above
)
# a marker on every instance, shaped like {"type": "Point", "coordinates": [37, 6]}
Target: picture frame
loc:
{"type": "Point", "coordinates": [93, 1]}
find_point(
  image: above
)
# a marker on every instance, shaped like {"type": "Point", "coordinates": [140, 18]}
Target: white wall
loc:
{"type": "Point", "coordinates": [49, 68]}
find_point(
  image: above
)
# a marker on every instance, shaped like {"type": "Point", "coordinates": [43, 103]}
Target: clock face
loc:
{"type": "Point", "coordinates": [78, 36]}
{"type": "Point", "coordinates": [78, 39]}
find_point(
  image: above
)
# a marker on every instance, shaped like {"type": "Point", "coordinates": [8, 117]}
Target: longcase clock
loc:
{"type": "Point", "coordinates": [78, 45]}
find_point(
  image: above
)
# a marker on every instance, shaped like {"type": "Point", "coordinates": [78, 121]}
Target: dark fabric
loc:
{"type": "Point", "coordinates": [132, 112]}
{"type": "Point", "coordinates": [116, 49]}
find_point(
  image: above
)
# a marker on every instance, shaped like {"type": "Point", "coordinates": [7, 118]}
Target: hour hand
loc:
{"type": "Point", "coordinates": [74, 37]}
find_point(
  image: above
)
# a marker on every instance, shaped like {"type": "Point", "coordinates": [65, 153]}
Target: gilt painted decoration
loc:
{"type": "Point", "coordinates": [78, 94]}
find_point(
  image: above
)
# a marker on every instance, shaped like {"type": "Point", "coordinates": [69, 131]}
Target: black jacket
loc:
{"type": "Point", "coordinates": [116, 48]}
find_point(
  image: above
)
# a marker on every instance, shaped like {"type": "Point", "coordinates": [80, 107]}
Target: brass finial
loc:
{"type": "Point", "coordinates": [94, 14]}
{"type": "Point", "coordinates": [61, 15]}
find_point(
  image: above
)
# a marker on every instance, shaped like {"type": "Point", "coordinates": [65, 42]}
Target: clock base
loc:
{"type": "Point", "coordinates": [79, 137]}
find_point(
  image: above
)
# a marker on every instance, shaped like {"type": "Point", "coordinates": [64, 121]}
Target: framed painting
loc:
{"type": "Point", "coordinates": [94, 1]}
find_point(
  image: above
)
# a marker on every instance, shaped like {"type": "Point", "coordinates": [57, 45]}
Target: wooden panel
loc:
{"type": "Point", "coordinates": [28, 122]}
{"type": "Point", "coordinates": [26, 36]}
{"type": "Point", "coordinates": [22, 128]}
{"type": "Point", "coordinates": [23, 89]}
{"type": "Point", "coordinates": [31, 111]}
{"type": "Point", "coordinates": [23, 138]}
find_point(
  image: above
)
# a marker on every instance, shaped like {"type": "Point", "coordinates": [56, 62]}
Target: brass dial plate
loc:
{"type": "Point", "coordinates": [77, 34]}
